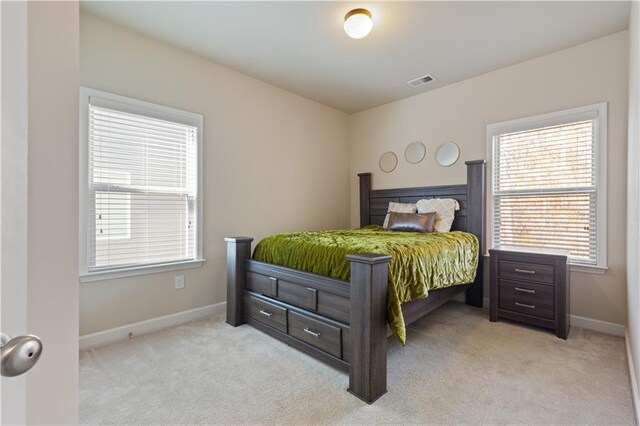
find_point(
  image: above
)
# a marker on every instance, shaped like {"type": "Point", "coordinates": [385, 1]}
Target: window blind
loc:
{"type": "Point", "coordinates": [545, 189]}
{"type": "Point", "coordinates": [142, 189]}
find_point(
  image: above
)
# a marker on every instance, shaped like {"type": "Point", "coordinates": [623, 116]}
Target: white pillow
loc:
{"type": "Point", "coordinates": [445, 211]}
{"type": "Point", "coordinates": [398, 208]}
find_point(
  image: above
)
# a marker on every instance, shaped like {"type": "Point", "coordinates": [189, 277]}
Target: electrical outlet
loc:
{"type": "Point", "coordinates": [179, 282]}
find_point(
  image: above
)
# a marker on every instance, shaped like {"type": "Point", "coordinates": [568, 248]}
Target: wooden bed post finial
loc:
{"type": "Point", "coordinates": [238, 251]}
{"type": "Point", "coordinates": [365, 187]}
{"type": "Point", "coordinates": [368, 325]}
{"type": "Point", "coordinates": [476, 224]}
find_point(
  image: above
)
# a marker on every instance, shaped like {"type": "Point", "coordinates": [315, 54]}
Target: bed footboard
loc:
{"type": "Point", "coordinates": [363, 341]}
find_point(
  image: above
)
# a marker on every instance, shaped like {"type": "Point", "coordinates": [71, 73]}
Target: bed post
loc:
{"type": "Point", "coordinates": [238, 251]}
{"type": "Point", "coordinates": [476, 224]}
{"type": "Point", "coordinates": [368, 326]}
{"type": "Point", "coordinates": [365, 187]}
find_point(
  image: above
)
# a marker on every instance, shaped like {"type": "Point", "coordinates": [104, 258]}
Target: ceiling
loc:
{"type": "Point", "coordinates": [301, 46]}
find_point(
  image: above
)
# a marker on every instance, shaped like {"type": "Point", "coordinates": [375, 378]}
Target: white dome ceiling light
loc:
{"type": "Point", "coordinates": [358, 23]}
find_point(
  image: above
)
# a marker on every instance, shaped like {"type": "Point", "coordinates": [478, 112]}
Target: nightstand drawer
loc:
{"type": "Point", "coordinates": [530, 299]}
{"type": "Point", "coordinates": [526, 271]}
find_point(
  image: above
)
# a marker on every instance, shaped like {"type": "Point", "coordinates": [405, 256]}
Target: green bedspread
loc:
{"type": "Point", "coordinates": [420, 262]}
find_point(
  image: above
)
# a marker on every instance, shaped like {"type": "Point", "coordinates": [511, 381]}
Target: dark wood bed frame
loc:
{"type": "Point", "coordinates": [354, 313]}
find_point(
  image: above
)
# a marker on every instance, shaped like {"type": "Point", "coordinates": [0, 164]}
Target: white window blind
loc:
{"type": "Point", "coordinates": [142, 188]}
{"type": "Point", "coordinates": [545, 186]}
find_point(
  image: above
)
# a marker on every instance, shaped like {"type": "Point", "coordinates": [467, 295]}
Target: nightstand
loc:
{"type": "Point", "coordinates": [530, 286]}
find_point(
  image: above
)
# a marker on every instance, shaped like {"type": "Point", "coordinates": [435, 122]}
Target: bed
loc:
{"type": "Point", "coordinates": [343, 322]}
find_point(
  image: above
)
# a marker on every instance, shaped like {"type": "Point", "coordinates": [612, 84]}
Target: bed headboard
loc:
{"type": "Point", "coordinates": [470, 217]}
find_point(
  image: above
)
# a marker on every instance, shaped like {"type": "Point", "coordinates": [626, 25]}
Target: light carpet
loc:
{"type": "Point", "coordinates": [457, 368]}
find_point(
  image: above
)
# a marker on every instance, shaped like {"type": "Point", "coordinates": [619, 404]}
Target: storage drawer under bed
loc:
{"type": "Point", "coordinates": [319, 301]}
{"type": "Point", "coordinates": [322, 333]}
{"type": "Point", "coordinates": [266, 312]}
{"type": "Point", "coordinates": [316, 333]}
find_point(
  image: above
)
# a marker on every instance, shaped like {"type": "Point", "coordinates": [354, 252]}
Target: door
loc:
{"type": "Point", "coordinates": [39, 205]}
{"type": "Point", "coordinates": [13, 196]}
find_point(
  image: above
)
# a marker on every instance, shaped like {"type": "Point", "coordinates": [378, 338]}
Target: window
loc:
{"type": "Point", "coordinates": [113, 210]}
{"type": "Point", "coordinates": [140, 191]}
{"type": "Point", "coordinates": [548, 184]}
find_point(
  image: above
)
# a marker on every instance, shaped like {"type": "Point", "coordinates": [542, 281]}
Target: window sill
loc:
{"type": "Point", "coordinates": [588, 269]}
{"type": "Point", "coordinates": [141, 270]}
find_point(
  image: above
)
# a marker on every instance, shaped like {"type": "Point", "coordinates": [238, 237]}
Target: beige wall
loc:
{"type": "Point", "coordinates": [52, 218]}
{"type": "Point", "coordinates": [273, 162]}
{"type": "Point", "coordinates": [259, 138]}
{"type": "Point", "coordinates": [633, 194]}
{"type": "Point", "coordinates": [582, 75]}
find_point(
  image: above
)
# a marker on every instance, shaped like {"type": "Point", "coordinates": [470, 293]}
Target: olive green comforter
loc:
{"type": "Point", "coordinates": [420, 262]}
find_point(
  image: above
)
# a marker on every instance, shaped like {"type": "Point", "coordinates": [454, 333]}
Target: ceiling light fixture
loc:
{"type": "Point", "coordinates": [358, 23]}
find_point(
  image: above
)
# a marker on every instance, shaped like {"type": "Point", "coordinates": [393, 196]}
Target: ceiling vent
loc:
{"type": "Point", "coordinates": [417, 82]}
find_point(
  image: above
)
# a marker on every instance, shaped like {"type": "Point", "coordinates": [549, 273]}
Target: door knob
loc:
{"type": "Point", "coordinates": [19, 354]}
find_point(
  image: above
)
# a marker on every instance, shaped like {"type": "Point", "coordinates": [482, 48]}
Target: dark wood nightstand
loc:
{"type": "Point", "coordinates": [531, 287]}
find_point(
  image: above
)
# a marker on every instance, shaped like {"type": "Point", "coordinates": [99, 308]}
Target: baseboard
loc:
{"type": "Point", "coordinates": [597, 325]}
{"type": "Point", "coordinates": [589, 323]}
{"type": "Point", "coordinates": [120, 333]}
{"type": "Point", "coordinates": [635, 394]}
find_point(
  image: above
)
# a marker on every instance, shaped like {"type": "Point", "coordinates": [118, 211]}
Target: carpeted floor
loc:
{"type": "Point", "coordinates": [457, 368]}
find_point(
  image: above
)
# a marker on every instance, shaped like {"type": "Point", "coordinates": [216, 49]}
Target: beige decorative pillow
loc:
{"type": "Point", "coordinates": [399, 208]}
{"type": "Point", "coordinates": [445, 209]}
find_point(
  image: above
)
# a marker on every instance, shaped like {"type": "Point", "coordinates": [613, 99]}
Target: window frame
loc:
{"type": "Point", "coordinates": [134, 106]}
{"type": "Point", "coordinates": [551, 119]}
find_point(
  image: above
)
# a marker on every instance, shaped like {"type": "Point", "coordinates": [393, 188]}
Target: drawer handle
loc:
{"type": "Point", "coordinates": [524, 305]}
{"type": "Point", "coordinates": [273, 279]}
{"type": "Point", "coordinates": [525, 290]}
{"type": "Point", "coordinates": [265, 313]}
{"type": "Point", "coordinates": [313, 333]}
{"type": "Point", "coordinates": [525, 271]}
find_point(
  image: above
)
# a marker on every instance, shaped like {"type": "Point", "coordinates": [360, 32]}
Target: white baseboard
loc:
{"type": "Point", "coordinates": [635, 394]}
{"type": "Point", "coordinates": [120, 333]}
{"type": "Point", "coordinates": [588, 323]}
{"type": "Point", "coordinates": [597, 325]}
